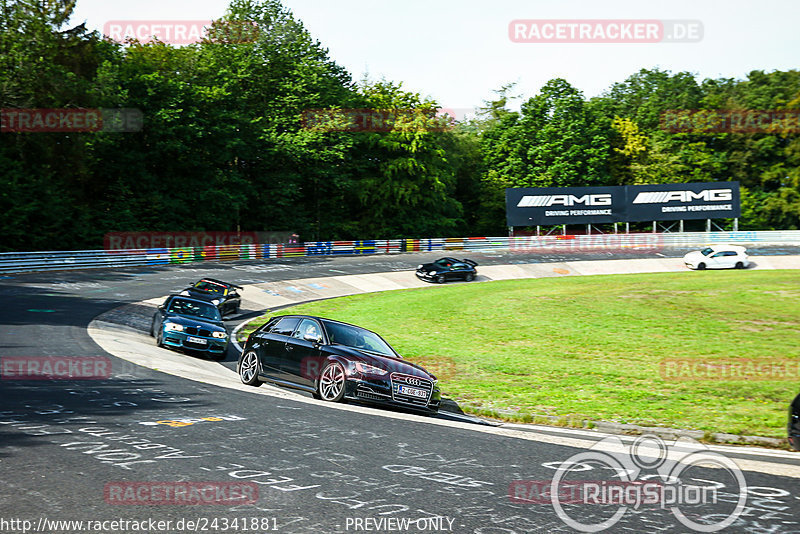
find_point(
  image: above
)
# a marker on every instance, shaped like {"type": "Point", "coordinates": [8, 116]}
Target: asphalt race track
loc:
{"type": "Point", "coordinates": [146, 451]}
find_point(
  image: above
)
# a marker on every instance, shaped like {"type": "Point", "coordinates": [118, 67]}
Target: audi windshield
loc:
{"type": "Point", "coordinates": [358, 338]}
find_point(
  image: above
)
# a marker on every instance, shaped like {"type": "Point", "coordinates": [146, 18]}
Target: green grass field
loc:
{"type": "Point", "coordinates": [591, 348]}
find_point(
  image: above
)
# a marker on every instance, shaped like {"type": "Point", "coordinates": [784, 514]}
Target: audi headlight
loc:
{"type": "Point", "coordinates": [367, 369]}
{"type": "Point", "coordinates": [220, 335]}
{"type": "Point", "coordinates": [173, 327]}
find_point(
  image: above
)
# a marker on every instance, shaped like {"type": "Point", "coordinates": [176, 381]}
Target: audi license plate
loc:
{"type": "Point", "coordinates": [198, 340]}
{"type": "Point", "coordinates": [412, 392]}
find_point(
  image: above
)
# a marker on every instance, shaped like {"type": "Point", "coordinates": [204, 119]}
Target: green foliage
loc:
{"type": "Point", "coordinates": [224, 146]}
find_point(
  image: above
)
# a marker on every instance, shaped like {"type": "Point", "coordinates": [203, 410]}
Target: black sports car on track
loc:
{"type": "Point", "coordinates": [335, 361]}
{"type": "Point", "coordinates": [222, 294]}
{"type": "Point", "coordinates": [445, 269]}
{"type": "Point", "coordinates": [188, 323]}
{"type": "Point", "coordinates": [794, 423]}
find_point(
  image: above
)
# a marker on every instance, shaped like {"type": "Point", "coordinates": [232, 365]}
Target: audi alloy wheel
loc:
{"type": "Point", "coordinates": [248, 369]}
{"type": "Point", "coordinates": [331, 382]}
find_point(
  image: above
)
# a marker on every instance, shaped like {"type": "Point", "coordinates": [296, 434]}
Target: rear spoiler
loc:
{"type": "Point", "coordinates": [470, 262]}
{"type": "Point", "coordinates": [221, 282]}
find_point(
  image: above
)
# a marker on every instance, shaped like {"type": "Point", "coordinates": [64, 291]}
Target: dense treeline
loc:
{"type": "Point", "coordinates": [224, 145]}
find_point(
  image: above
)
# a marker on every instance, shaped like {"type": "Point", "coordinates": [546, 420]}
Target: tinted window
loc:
{"type": "Point", "coordinates": [194, 308]}
{"type": "Point", "coordinates": [267, 327]}
{"type": "Point", "coordinates": [308, 327]}
{"type": "Point", "coordinates": [285, 326]}
{"type": "Point", "coordinates": [707, 251]}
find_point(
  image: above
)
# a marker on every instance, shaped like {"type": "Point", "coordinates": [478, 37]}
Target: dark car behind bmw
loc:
{"type": "Point", "coordinates": [222, 294]}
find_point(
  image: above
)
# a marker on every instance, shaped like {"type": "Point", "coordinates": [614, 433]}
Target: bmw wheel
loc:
{"type": "Point", "coordinates": [701, 266]}
{"type": "Point", "coordinates": [248, 369]}
{"type": "Point", "coordinates": [470, 277]}
{"type": "Point", "coordinates": [331, 382]}
{"type": "Point", "coordinates": [440, 279]}
{"type": "Point", "coordinates": [160, 337]}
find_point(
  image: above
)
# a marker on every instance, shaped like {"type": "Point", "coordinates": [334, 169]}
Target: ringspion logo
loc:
{"type": "Point", "coordinates": [705, 490]}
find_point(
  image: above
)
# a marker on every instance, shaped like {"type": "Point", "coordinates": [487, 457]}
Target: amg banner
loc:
{"type": "Point", "coordinates": [531, 206]}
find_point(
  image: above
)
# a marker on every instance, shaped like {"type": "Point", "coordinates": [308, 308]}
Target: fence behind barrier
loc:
{"type": "Point", "coordinates": [645, 243]}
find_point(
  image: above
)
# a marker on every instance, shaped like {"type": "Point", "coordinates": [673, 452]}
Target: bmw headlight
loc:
{"type": "Point", "coordinates": [215, 302]}
{"type": "Point", "coordinates": [173, 327]}
{"type": "Point", "coordinates": [185, 293]}
{"type": "Point", "coordinates": [219, 335]}
{"type": "Point", "coordinates": [432, 272]}
{"type": "Point", "coordinates": [367, 369]}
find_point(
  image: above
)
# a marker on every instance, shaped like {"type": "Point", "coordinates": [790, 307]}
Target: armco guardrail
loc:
{"type": "Point", "coordinates": [14, 262]}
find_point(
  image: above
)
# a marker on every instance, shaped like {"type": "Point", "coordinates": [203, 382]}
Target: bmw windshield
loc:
{"type": "Point", "coordinates": [194, 308]}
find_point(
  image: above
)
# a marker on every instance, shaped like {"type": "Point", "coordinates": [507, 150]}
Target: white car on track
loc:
{"type": "Point", "coordinates": [717, 257]}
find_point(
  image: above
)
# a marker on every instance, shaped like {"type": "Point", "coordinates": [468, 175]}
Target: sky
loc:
{"type": "Point", "coordinates": [459, 52]}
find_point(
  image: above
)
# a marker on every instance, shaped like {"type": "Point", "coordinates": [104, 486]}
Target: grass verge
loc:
{"type": "Point", "coordinates": [621, 348]}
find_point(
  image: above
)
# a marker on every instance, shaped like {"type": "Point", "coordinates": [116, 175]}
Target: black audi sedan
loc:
{"type": "Point", "coordinates": [794, 424]}
{"type": "Point", "coordinates": [335, 361]}
{"type": "Point", "coordinates": [222, 294]}
{"type": "Point", "coordinates": [445, 269]}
